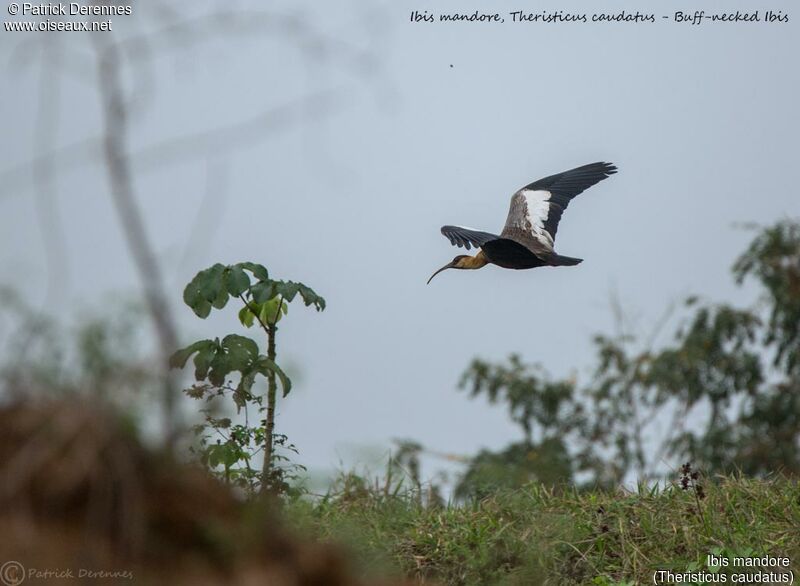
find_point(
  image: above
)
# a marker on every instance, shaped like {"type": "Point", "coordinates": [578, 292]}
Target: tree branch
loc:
{"type": "Point", "coordinates": [115, 123]}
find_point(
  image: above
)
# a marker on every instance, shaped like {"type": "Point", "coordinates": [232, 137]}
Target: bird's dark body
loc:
{"type": "Point", "coordinates": [511, 255]}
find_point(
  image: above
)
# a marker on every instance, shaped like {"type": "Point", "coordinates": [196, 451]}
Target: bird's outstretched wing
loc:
{"type": "Point", "coordinates": [467, 237]}
{"type": "Point", "coordinates": [536, 208]}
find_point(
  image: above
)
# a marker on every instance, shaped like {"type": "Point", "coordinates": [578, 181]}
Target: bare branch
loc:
{"type": "Point", "coordinates": [230, 138]}
{"type": "Point", "coordinates": [115, 122]}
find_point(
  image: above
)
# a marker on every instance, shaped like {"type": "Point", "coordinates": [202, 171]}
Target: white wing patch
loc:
{"type": "Point", "coordinates": [538, 208]}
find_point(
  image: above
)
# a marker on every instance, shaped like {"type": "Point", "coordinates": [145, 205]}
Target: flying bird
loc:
{"type": "Point", "coordinates": [528, 238]}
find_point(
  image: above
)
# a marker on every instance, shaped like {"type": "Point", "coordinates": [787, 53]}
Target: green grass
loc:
{"type": "Point", "coordinates": [540, 536]}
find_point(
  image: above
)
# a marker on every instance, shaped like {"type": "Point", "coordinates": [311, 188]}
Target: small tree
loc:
{"type": "Point", "coordinates": [264, 302]}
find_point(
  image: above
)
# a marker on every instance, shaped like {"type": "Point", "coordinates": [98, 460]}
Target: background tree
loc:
{"type": "Point", "coordinates": [547, 415]}
{"type": "Point", "coordinates": [727, 385]}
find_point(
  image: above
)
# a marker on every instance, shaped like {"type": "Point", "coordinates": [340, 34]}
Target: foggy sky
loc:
{"type": "Point", "coordinates": [429, 124]}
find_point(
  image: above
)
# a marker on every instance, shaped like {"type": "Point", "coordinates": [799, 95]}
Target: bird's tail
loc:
{"type": "Point", "coordinates": [564, 261]}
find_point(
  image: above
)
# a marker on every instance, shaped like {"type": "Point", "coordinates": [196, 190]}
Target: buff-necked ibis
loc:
{"type": "Point", "coordinates": [527, 240]}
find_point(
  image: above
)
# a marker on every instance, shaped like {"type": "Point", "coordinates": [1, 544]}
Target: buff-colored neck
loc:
{"type": "Point", "coordinates": [473, 262]}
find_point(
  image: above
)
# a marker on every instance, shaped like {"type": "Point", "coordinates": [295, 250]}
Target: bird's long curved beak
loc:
{"type": "Point", "coordinates": [447, 266]}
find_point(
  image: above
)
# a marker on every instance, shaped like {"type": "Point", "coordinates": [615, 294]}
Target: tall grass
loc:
{"type": "Point", "coordinates": [538, 535]}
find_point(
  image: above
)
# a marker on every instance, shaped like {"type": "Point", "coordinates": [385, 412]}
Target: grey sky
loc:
{"type": "Point", "coordinates": [701, 120]}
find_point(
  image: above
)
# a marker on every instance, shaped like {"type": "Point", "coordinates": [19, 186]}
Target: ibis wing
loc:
{"type": "Point", "coordinates": [536, 208]}
{"type": "Point", "coordinates": [570, 183]}
{"type": "Point", "coordinates": [467, 237]}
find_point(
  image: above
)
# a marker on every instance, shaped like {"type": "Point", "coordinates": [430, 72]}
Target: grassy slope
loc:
{"type": "Point", "coordinates": [536, 536]}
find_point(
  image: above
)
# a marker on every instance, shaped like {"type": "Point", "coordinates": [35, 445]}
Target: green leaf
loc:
{"type": "Point", "coordinates": [286, 289]}
{"type": "Point", "coordinates": [242, 393]}
{"type": "Point", "coordinates": [266, 290]}
{"type": "Point", "coordinates": [214, 455]}
{"type": "Point", "coordinates": [226, 455]}
{"type": "Point", "coordinates": [204, 359]}
{"type": "Point", "coordinates": [263, 312]}
{"type": "Point", "coordinates": [265, 365]}
{"type": "Point", "coordinates": [210, 282]}
{"type": "Point", "coordinates": [263, 291]}
{"type": "Point", "coordinates": [220, 367]}
{"type": "Point", "coordinates": [271, 310]}
{"type": "Point", "coordinates": [237, 281]}
{"type": "Point", "coordinates": [179, 358]}
{"type": "Point", "coordinates": [241, 351]}
{"type": "Point", "coordinates": [259, 271]}
{"type": "Point", "coordinates": [310, 297]}
{"type": "Point", "coordinates": [202, 309]}
{"type": "Point", "coordinates": [191, 293]}
{"type": "Point", "coordinates": [222, 298]}
{"type": "Point", "coordinates": [234, 353]}
{"type": "Point", "coordinates": [246, 317]}
{"type": "Point", "coordinates": [204, 290]}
